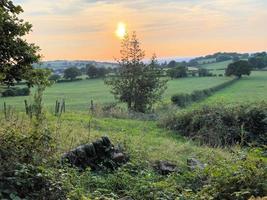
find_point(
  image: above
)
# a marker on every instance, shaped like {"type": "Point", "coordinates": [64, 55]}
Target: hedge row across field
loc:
{"type": "Point", "coordinates": [16, 91]}
{"type": "Point", "coordinates": [222, 125]}
{"type": "Point", "coordinates": [183, 99]}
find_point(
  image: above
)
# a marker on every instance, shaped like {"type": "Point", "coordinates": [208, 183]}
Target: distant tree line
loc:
{"type": "Point", "coordinates": [258, 60]}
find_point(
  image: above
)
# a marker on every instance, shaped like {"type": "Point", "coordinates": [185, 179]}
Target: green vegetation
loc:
{"type": "Point", "coordinates": [210, 151]}
{"type": "Point", "coordinates": [145, 143]}
{"type": "Point", "coordinates": [217, 66]}
{"type": "Point", "coordinates": [222, 125]}
{"type": "Point", "coordinates": [16, 55]}
{"type": "Point", "coordinates": [184, 99]}
{"type": "Point", "coordinates": [136, 84]}
{"type": "Point", "coordinates": [248, 89]}
{"type": "Point", "coordinates": [79, 94]}
{"type": "Point", "coordinates": [238, 68]}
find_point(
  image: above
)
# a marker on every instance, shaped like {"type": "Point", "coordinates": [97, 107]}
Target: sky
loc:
{"type": "Point", "coordinates": [85, 29]}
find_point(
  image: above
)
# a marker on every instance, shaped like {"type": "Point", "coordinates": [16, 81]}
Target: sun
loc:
{"type": "Point", "coordinates": [121, 30]}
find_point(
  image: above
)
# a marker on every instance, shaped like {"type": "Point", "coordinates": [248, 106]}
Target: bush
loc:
{"type": "Point", "coordinates": [16, 91]}
{"type": "Point", "coordinates": [31, 182]}
{"type": "Point", "coordinates": [221, 125]}
{"type": "Point", "coordinates": [183, 99]}
{"type": "Point", "coordinates": [234, 179]}
{"type": "Point", "coordinates": [26, 150]}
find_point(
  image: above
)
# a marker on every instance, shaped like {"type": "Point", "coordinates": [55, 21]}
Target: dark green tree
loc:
{"type": "Point", "coordinates": [239, 68]}
{"type": "Point", "coordinates": [102, 71]}
{"type": "Point", "coordinates": [71, 73]}
{"type": "Point", "coordinates": [258, 61]}
{"type": "Point", "coordinates": [54, 77]}
{"type": "Point", "coordinates": [16, 54]}
{"type": "Point", "coordinates": [137, 84]}
{"type": "Point", "coordinates": [171, 64]}
{"type": "Point", "coordinates": [177, 72]}
{"type": "Point", "coordinates": [91, 71]}
{"type": "Point", "coordinates": [202, 72]}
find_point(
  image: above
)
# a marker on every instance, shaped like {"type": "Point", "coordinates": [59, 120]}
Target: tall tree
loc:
{"type": "Point", "coordinates": [239, 68]}
{"type": "Point", "coordinates": [137, 84]}
{"type": "Point", "coordinates": [16, 54]}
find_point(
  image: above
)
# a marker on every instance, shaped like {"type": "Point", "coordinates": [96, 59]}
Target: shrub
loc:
{"type": "Point", "coordinates": [31, 182]}
{"type": "Point", "coordinates": [221, 125]}
{"type": "Point", "coordinates": [234, 179]}
{"type": "Point", "coordinates": [16, 91]}
{"type": "Point", "coordinates": [183, 100]}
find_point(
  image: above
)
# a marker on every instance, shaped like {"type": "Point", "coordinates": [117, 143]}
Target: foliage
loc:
{"type": "Point", "coordinates": [16, 91]}
{"type": "Point", "coordinates": [239, 178]}
{"type": "Point", "coordinates": [202, 72]}
{"type": "Point", "coordinates": [184, 99]}
{"type": "Point", "coordinates": [71, 73]}
{"type": "Point", "coordinates": [54, 77]}
{"type": "Point", "coordinates": [222, 125]}
{"type": "Point", "coordinates": [137, 84]}
{"type": "Point", "coordinates": [16, 55]}
{"type": "Point", "coordinates": [177, 72]}
{"type": "Point", "coordinates": [238, 69]}
{"type": "Point", "coordinates": [94, 72]}
{"type": "Point", "coordinates": [258, 60]}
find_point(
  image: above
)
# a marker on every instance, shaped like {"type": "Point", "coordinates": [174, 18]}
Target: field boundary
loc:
{"type": "Point", "coordinates": [184, 99]}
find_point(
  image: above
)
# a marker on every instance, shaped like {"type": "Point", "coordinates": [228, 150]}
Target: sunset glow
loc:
{"type": "Point", "coordinates": [121, 30]}
{"type": "Point", "coordinates": [81, 29]}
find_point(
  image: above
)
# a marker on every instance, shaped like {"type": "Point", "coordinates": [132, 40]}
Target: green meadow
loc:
{"type": "Point", "coordinates": [247, 89]}
{"type": "Point", "coordinates": [79, 94]}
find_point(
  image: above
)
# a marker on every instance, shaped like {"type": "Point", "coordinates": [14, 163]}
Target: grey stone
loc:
{"type": "Point", "coordinates": [165, 167]}
{"type": "Point", "coordinates": [98, 155]}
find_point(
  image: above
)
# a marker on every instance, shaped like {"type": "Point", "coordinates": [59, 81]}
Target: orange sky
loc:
{"type": "Point", "coordinates": [85, 29]}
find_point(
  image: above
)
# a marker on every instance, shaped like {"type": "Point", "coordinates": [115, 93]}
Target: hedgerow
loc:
{"type": "Point", "coordinates": [16, 91]}
{"type": "Point", "coordinates": [184, 99]}
{"type": "Point", "coordinates": [221, 125]}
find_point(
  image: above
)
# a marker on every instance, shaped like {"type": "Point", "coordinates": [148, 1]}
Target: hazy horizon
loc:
{"type": "Point", "coordinates": [85, 29]}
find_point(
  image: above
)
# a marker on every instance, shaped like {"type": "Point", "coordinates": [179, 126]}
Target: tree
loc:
{"type": "Point", "coordinates": [16, 55]}
{"type": "Point", "coordinates": [137, 84]}
{"type": "Point", "coordinates": [54, 77]}
{"type": "Point", "coordinates": [258, 60]}
{"type": "Point", "coordinates": [71, 73]}
{"type": "Point", "coordinates": [102, 71]}
{"type": "Point", "coordinates": [94, 72]}
{"type": "Point", "coordinates": [238, 69]}
{"type": "Point", "coordinates": [177, 72]}
{"type": "Point", "coordinates": [171, 64]}
{"type": "Point", "coordinates": [91, 71]}
{"type": "Point", "coordinates": [203, 72]}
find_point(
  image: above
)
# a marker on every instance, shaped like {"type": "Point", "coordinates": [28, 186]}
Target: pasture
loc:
{"type": "Point", "coordinates": [217, 65]}
{"type": "Point", "coordinates": [247, 89]}
{"type": "Point", "coordinates": [79, 94]}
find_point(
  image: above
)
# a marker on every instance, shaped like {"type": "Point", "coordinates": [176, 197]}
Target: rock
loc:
{"type": "Point", "coordinates": [97, 155]}
{"type": "Point", "coordinates": [165, 167]}
{"type": "Point", "coordinates": [119, 157]}
{"type": "Point", "coordinates": [194, 164]}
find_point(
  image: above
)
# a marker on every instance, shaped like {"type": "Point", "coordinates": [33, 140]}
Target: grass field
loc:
{"type": "Point", "coordinates": [217, 66]}
{"type": "Point", "coordinates": [252, 88]}
{"type": "Point", "coordinates": [79, 94]}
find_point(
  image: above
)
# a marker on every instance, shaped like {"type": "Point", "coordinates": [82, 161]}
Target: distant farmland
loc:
{"type": "Point", "coordinates": [79, 94]}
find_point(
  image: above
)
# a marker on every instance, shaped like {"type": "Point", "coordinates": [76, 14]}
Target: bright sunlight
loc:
{"type": "Point", "coordinates": [121, 30]}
